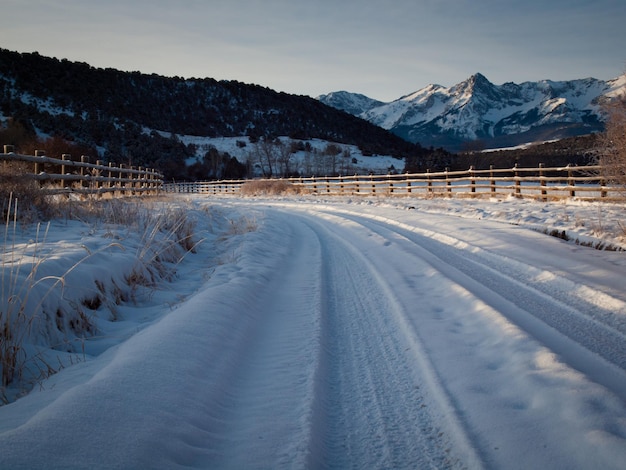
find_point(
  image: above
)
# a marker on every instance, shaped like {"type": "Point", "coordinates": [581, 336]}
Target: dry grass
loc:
{"type": "Point", "coordinates": [269, 188]}
{"type": "Point", "coordinates": [242, 225]}
{"type": "Point", "coordinates": [167, 235]}
{"type": "Point", "coordinates": [15, 302]}
{"type": "Point", "coordinates": [32, 304]}
{"type": "Point", "coordinates": [17, 185]}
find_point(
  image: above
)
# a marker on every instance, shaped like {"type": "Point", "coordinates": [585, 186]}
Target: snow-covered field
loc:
{"type": "Point", "coordinates": [354, 161]}
{"type": "Point", "coordinates": [311, 332]}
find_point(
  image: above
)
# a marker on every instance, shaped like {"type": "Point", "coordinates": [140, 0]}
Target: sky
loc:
{"type": "Point", "coordinates": [383, 49]}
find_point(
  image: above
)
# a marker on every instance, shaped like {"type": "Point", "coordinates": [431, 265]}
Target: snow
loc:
{"type": "Point", "coordinates": [243, 150]}
{"type": "Point", "coordinates": [466, 111]}
{"type": "Point", "coordinates": [616, 86]}
{"type": "Point", "coordinates": [341, 333]}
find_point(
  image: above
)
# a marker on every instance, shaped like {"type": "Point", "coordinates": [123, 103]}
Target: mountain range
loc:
{"type": "Point", "coordinates": [477, 114]}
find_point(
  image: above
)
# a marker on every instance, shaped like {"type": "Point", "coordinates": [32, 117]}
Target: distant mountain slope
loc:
{"type": "Point", "coordinates": [119, 112]}
{"type": "Point", "coordinates": [497, 116]}
{"type": "Point", "coordinates": [353, 103]}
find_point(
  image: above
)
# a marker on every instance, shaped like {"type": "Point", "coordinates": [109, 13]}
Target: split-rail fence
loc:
{"type": "Point", "coordinates": [63, 175]}
{"type": "Point", "coordinates": [543, 183]}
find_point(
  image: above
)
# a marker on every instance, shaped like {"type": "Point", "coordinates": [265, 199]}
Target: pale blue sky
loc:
{"type": "Point", "coordinates": [381, 48]}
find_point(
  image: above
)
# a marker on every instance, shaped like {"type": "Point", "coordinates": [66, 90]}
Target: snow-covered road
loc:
{"type": "Point", "coordinates": [356, 336]}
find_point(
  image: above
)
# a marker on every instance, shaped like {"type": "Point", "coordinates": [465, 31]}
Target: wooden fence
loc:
{"type": "Point", "coordinates": [63, 175]}
{"type": "Point", "coordinates": [583, 182]}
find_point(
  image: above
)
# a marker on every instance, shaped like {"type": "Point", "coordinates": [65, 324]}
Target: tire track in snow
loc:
{"type": "Point", "coordinates": [321, 374]}
{"type": "Point", "coordinates": [524, 304]}
{"type": "Point", "coordinates": [373, 411]}
{"type": "Point", "coordinates": [267, 402]}
{"type": "Point", "coordinates": [515, 378]}
{"type": "Point", "coordinates": [489, 390]}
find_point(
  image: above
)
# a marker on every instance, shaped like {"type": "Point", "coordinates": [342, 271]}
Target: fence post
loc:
{"type": "Point", "coordinates": [603, 192]}
{"type": "Point", "coordinates": [429, 183]}
{"type": "Point", "coordinates": [110, 177]}
{"type": "Point", "coordinates": [570, 181]}
{"type": "Point", "coordinates": [542, 183]}
{"type": "Point", "coordinates": [65, 157]}
{"type": "Point", "coordinates": [96, 174]}
{"type": "Point", "coordinates": [492, 181]}
{"type": "Point", "coordinates": [141, 179]}
{"type": "Point", "coordinates": [472, 179]}
{"type": "Point", "coordinates": [121, 176]}
{"type": "Point", "coordinates": [83, 182]}
{"type": "Point", "coordinates": [518, 188]}
{"type": "Point", "coordinates": [356, 183]}
{"type": "Point", "coordinates": [136, 179]}
{"type": "Point", "coordinates": [39, 166]}
{"type": "Point", "coordinates": [373, 185]}
{"type": "Point", "coordinates": [448, 182]}
{"type": "Point", "coordinates": [408, 183]}
{"type": "Point", "coordinates": [133, 179]}
{"type": "Point", "coordinates": [390, 181]}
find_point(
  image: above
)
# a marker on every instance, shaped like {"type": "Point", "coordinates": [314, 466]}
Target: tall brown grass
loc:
{"type": "Point", "coordinates": [268, 188]}
{"type": "Point", "coordinates": [167, 234]}
{"type": "Point", "coordinates": [17, 185]}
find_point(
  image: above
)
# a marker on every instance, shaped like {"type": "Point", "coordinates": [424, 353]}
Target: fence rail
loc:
{"type": "Point", "coordinates": [63, 175]}
{"type": "Point", "coordinates": [583, 182]}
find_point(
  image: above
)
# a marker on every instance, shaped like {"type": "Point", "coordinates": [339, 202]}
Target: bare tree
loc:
{"type": "Point", "coordinates": [265, 154]}
{"type": "Point", "coordinates": [613, 152]}
{"type": "Point", "coordinates": [346, 162]}
{"type": "Point", "coordinates": [284, 157]}
{"type": "Point", "coordinates": [332, 152]}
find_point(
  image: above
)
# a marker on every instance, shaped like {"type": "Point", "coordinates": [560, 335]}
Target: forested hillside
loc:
{"type": "Point", "coordinates": [581, 150]}
{"type": "Point", "coordinates": [136, 118]}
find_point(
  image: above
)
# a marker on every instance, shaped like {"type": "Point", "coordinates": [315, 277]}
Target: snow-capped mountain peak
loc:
{"type": "Point", "coordinates": [497, 115]}
{"type": "Point", "coordinates": [353, 103]}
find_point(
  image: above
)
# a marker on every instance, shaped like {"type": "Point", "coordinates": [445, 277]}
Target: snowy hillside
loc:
{"type": "Point", "coordinates": [308, 160]}
{"type": "Point", "coordinates": [107, 110]}
{"type": "Point", "coordinates": [505, 115]}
